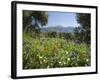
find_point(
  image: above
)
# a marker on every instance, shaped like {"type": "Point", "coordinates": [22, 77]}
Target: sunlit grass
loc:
{"type": "Point", "coordinates": [53, 52]}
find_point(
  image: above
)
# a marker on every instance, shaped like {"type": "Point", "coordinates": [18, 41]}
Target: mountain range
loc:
{"type": "Point", "coordinates": [68, 29]}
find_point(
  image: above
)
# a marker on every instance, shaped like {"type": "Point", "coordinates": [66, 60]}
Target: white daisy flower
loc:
{"type": "Point", "coordinates": [66, 52]}
{"type": "Point", "coordinates": [68, 59]}
{"type": "Point", "coordinates": [87, 60]}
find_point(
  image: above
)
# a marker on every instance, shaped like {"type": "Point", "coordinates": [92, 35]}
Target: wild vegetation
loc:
{"type": "Point", "coordinates": [53, 49]}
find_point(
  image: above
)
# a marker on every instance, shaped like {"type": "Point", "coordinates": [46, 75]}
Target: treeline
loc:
{"type": "Point", "coordinates": [68, 36]}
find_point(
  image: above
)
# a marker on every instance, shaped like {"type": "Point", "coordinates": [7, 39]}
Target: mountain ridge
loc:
{"type": "Point", "coordinates": [68, 29]}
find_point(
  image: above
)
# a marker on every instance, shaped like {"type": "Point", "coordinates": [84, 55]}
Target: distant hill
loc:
{"type": "Point", "coordinates": [69, 29]}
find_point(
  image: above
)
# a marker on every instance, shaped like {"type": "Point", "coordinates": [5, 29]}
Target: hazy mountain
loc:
{"type": "Point", "coordinates": [58, 29]}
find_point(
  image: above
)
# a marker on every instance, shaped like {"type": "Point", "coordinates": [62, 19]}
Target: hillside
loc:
{"type": "Point", "coordinates": [68, 29]}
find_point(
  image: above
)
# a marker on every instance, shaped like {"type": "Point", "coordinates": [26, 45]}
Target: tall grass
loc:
{"type": "Point", "coordinates": [53, 52]}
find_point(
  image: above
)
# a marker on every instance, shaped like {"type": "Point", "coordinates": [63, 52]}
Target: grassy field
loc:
{"type": "Point", "coordinates": [53, 52]}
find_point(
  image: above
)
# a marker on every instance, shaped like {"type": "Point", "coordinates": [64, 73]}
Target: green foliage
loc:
{"type": "Point", "coordinates": [53, 52]}
{"type": "Point", "coordinates": [40, 18]}
{"type": "Point", "coordinates": [83, 32]}
{"type": "Point", "coordinates": [84, 20]}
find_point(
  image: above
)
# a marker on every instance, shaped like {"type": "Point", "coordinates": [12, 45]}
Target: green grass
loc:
{"type": "Point", "coordinates": [53, 52]}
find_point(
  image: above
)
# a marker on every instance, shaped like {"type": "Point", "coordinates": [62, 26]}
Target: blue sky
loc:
{"type": "Point", "coordinates": [64, 19]}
